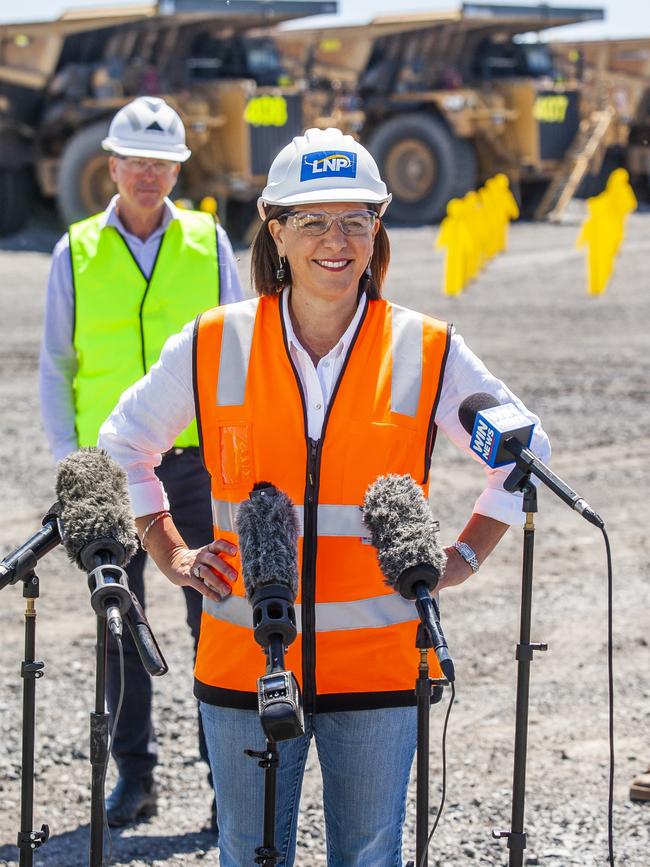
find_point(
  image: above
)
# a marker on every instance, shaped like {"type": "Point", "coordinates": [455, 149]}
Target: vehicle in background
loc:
{"type": "Point", "coordinates": [445, 100]}
{"type": "Point", "coordinates": [62, 81]}
{"type": "Point", "coordinates": [620, 68]}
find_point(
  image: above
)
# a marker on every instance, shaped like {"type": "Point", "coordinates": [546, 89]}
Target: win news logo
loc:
{"type": "Point", "coordinates": [328, 164]}
{"type": "Point", "coordinates": [483, 439]}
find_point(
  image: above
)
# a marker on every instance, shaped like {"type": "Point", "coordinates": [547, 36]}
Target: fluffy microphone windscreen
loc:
{"type": "Point", "coordinates": [473, 404]}
{"type": "Point", "coordinates": [93, 493]}
{"type": "Point", "coordinates": [268, 539]}
{"type": "Point", "coordinates": [401, 527]}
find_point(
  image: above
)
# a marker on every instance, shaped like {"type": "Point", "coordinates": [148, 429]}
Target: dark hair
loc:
{"type": "Point", "coordinates": [265, 260]}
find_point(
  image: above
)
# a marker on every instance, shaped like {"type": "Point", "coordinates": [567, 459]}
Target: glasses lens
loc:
{"type": "Point", "coordinates": [357, 223]}
{"type": "Point", "coordinates": [351, 223]}
{"type": "Point", "coordinates": [139, 164]}
{"type": "Point", "coordinates": [310, 224]}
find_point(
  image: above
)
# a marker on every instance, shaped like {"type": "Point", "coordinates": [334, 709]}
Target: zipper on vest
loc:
{"type": "Point", "coordinates": [309, 575]}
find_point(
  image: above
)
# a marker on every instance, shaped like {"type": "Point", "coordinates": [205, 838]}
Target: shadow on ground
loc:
{"type": "Point", "coordinates": [71, 848]}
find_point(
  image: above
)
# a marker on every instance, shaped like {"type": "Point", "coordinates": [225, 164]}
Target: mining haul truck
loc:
{"type": "Point", "coordinates": [444, 100]}
{"type": "Point", "coordinates": [62, 81]}
{"type": "Point", "coordinates": [620, 70]}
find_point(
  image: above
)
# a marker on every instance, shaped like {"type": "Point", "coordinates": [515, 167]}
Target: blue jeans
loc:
{"type": "Point", "coordinates": [365, 759]}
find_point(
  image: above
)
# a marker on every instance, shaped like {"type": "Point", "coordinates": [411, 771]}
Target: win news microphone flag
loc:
{"type": "Point", "coordinates": [500, 434]}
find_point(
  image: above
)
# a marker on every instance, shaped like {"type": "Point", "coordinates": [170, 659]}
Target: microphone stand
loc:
{"type": "Point", "coordinates": [279, 700]}
{"type": "Point", "coordinates": [109, 587]}
{"type": "Point", "coordinates": [428, 691]}
{"type": "Point", "coordinates": [519, 479]}
{"type": "Point", "coordinates": [31, 670]}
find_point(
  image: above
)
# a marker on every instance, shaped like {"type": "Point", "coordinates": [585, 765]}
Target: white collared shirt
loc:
{"type": "Point", "coordinates": [152, 412]}
{"type": "Point", "coordinates": [318, 381]}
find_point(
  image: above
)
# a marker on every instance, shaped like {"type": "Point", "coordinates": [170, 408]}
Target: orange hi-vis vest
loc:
{"type": "Point", "coordinates": [356, 637]}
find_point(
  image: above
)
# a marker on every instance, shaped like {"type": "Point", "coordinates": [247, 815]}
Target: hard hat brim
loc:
{"type": "Point", "coordinates": [179, 156]}
{"type": "Point", "coordinates": [342, 194]}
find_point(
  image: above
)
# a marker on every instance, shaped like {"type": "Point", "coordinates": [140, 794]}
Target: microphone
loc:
{"type": "Point", "coordinates": [98, 531]}
{"type": "Point", "coordinates": [268, 542]}
{"type": "Point", "coordinates": [23, 559]}
{"type": "Point", "coordinates": [500, 434]}
{"type": "Point", "coordinates": [404, 534]}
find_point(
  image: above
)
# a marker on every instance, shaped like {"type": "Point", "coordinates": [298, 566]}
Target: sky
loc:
{"type": "Point", "coordinates": [623, 18]}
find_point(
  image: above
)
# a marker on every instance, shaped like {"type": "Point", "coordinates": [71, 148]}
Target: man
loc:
{"type": "Point", "coordinates": [121, 282]}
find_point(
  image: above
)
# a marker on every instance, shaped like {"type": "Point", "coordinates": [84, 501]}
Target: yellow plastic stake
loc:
{"type": "Point", "coordinates": [595, 234]}
{"type": "Point", "coordinates": [454, 237]}
{"type": "Point", "coordinates": [507, 209]}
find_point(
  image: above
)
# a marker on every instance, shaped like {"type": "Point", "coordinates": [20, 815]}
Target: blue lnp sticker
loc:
{"type": "Point", "coordinates": [328, 164]}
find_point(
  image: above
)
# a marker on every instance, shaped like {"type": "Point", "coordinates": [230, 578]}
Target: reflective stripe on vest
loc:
{"type": "Point", "coordinates": [370, 613]}
{"type": "Point", "coordinates": [238, 326]}
{"type": "Point", "coordinates": [236, 345]}
{"type": "Point", "coordinates": [357, 638]}
{"type": "Point", "coordinates": [122, 319]}
{"type": "Point", "coordinates": [332, 520]}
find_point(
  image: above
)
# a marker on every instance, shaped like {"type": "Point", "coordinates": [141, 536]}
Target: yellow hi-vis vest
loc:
{"type": "Point", "coordinates": [122, 319]}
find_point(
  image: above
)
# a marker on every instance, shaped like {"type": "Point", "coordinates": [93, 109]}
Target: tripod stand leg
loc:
{"type": "Point", "coordinates": [31, 670]}
{"type": "Point", "coordinates": [98, 751]}
{"type": "Point", "coordinates": [516, 836]}
{"type": "Point", "coordinates": [423, 693]}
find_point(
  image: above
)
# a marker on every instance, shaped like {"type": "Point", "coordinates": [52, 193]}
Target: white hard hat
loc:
{"type": "Point", "coordinates": [323, 166]}
{"type": "Point", "coordinates": [147, 127]}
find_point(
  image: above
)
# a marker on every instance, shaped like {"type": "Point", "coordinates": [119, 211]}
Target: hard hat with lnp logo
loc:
{"type": "Point", "coordinates": [323, 166]}
{"type": "Point", "coordinates": [147, 127]}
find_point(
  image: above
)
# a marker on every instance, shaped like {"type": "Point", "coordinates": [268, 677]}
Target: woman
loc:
{"type": "Point", "coordinates": [319, 387]}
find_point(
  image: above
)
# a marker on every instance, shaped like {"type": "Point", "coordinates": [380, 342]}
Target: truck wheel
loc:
{"type": "Point", "coordinates": [16, 199]}
{"type": "Point", "coordinates": [84, 185]}
{"type": "Point", "coordinates": [423, 164]}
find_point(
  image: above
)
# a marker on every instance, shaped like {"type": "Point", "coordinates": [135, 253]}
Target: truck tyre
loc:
{"type": "Point", "coordinates": [423, 164]}
{"type": "Point", "coordinates": [16, 199]}
{"type": "Point", "coordinates": [84, 185]}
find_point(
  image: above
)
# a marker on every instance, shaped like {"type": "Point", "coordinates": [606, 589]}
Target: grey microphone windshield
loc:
{"type": "Point", "coordinates": [404, 533]}
{"type": "Point", "coordinates": [268, 540]}
{"type": "Point", "coordinates": [96, 513]}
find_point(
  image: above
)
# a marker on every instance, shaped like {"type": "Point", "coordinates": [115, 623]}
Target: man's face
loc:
{"type": "Point", "coordinates": [143, 183]}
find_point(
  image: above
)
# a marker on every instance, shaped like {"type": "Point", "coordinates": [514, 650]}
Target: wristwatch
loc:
{"type": "Point", "coordinates": [468, 554]}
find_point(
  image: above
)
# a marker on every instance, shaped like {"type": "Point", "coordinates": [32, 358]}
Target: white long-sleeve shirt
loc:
{"type": "Point", "coordinates": [151, 413]}
{"type": "Point", "coordinates": [58, 362]}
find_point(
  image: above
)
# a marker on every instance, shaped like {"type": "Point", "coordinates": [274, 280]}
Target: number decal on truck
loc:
{"type": "Point", "coordinates": [550, 109]}
{"type": "Point", "coordinates": [266, 111]}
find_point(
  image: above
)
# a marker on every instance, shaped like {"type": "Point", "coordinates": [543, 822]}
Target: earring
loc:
{"type": "Point", "coordinates": [280, 273]}
{"type": "Point", "coordinates": [367, 277]}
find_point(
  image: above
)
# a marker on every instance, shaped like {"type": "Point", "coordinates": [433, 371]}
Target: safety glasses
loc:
{"type": "Point", "coordinates": [141, 164]}
{"type": "Point", "coordinates": [318, 222]}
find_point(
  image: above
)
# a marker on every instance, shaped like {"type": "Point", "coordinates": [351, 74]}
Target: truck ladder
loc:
{"type": "Point", "coordinates": [575, 165]}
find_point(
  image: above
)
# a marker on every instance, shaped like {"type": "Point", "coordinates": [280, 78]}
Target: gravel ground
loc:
{"type": "Point", "coordinates": [581, 363]}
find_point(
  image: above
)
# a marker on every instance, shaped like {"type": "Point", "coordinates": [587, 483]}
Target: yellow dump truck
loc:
{"type": "Point", "coordinates": [61, 82]}
{"type": "Point", "coordinates": [446, 99]}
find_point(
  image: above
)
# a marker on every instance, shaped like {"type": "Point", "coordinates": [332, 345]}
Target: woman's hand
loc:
{"type": "Point", "coordinates": [204, 569]}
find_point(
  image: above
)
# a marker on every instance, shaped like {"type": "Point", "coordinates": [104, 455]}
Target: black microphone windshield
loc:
{"type": "Point", "coordinates": [95, 508]}
{"type": "Point", "coordinates": [268, 539]}
{"type": "Point", "coordinates": [473, 404]}
{"type": "Point", "coordinates": [402, 530]}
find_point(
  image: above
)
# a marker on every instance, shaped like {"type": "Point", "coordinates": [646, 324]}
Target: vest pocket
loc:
{"type": "Point", "coordinates": [235, 455]}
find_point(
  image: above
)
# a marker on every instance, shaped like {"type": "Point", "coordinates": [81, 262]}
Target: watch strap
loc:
{"type": "Point", "coordinates": [468, 554]}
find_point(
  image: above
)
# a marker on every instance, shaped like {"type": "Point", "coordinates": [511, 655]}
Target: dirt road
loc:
{"type": "Point", "coordinates": [581, 364]}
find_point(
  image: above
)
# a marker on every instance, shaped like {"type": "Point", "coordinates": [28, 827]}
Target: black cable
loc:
{"type": "Point", "coordinates": [444, 774]}
{"type": "Point", "coordinates": [118, 710]}
{"type": "Point", "coordinates": [610, 684]}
